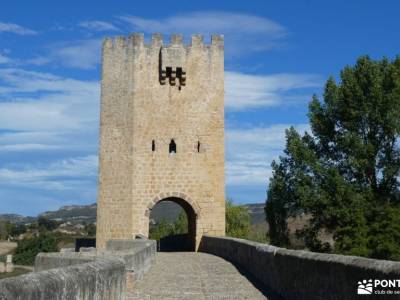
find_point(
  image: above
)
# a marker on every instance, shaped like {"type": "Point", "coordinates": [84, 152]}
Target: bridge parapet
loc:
{"type": "Point", "coordinates": [299, 275]}
{"type": "Point", "coordinates": [83, 275]}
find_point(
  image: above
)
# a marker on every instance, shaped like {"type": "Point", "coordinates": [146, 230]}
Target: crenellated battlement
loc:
{"type": "Point", "coordinates": [172, 57]}
{"type": "Point", "coordinates": [157, 40]}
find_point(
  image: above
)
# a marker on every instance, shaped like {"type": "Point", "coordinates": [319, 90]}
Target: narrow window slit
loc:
{"type": "Point", "coordinates": [153, 145]}
{"type": "Point", "coordinates": [198, 146]}
{"type": "Point", "coordinates": [172, 147]}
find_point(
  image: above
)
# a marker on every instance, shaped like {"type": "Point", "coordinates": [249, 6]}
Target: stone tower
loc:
{"type": "Point", "coordinates": [161, 134]}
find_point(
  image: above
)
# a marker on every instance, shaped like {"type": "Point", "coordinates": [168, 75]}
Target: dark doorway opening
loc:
{"type": "Point", "coordinates": [173, 224]}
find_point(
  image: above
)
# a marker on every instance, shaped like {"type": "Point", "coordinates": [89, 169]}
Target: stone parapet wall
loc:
{"type": "Point", "coordinates": [302, 275]}
{"type": "Point", "coordinates": [138, 262]}
{"type": "Point", "coordinates": [100, 279]}
{"type": "Point", "coordinates": [85, 275]}
{"type": "Point", "coordinates": [48, 261]}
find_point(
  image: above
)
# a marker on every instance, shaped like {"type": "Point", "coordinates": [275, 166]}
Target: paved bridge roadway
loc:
{"type": "Point", "coordinates": [190, 275]}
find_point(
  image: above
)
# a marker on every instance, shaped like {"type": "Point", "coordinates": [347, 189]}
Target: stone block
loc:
{"type": "Point", "coordinates": [9, 267]}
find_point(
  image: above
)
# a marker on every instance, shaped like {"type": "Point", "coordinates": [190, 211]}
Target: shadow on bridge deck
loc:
{"type": "Point", "coordinates": [267, 292]}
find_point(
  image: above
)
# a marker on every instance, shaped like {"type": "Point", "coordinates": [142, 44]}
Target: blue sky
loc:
{"type": "Point", "coordinates": [277, 54]}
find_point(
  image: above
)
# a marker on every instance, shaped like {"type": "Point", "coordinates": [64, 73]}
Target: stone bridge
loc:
{"type": "Point", "coordinates": [225, 268]}
{"type": "Point", "coordinates": [191, 275]}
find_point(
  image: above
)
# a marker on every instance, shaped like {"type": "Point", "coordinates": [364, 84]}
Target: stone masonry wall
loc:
{"type": "Point", "coordinates": [303, 275]}
{"type": "Point", "coordinates": [100, 275]}
{"type": "Point", "coordinates": [102, 279]}
{"type": "Point", "coordinates": [144, 101]}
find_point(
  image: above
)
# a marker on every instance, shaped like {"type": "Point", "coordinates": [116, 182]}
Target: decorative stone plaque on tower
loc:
{"type": "Point", "coordinates": [161, 134]}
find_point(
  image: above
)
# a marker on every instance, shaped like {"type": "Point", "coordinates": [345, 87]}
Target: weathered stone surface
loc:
{"type": "Point", "coordinates": [139, 243]}
{"type": "Point", "coordinates": [301, 274]}
{"type": "Point", "coordinates": [151, 95]}
{"type": "Point", "coordinates": [137, 255]}
{"type": "Point", "coordinates": [48, 261]}
{"type": "Point", "coordinates": [83, 275]}
{"type": "Point", "coordinates": [100, 279]}
{"type": "Point", "coordinates": [188, 275]}
{"type": "Point", "coordinates": [67, 250]}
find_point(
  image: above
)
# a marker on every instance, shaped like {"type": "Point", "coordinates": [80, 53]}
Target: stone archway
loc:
{"type": "Point", "coordinates": [188, 241]}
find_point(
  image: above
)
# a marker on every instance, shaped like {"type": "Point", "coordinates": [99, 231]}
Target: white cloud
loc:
{"type": "Point", "coordinates": [34, 141]}
{"type": "Point", "coordinates": [98, 26]}
{"type": "Point", "coordinates": [22, 81]}
{"type": "Point", "coordinates": [249, 91]}
{"type": "Point", "coordinates": [4, 59]}
{"type": "Point", "coordinates": [48, 139]}
{"type": "Point", "coordinates": [27, 147]}
{"type": "Point", "coordinates": [84, 54]}
{"type": "Point", "coordinates": [39, 61]}
{"type": "Point", "coordinates": [41, 111]}
{"type": "Point", "coordinates": [250, 152]}
{"type": "Point", "coordinates": [15, 28]}
{"type": "Point", "coordinates": [244, 33]}
{"type": "Point", "coordinates": [81, 54]}
{"type": "Point", "coordinates": [60, 175]}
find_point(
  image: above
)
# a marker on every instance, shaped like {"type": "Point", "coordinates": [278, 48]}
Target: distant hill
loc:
{"type": "Point", "coordinates": [87, 213]}
{"type": "Point", "coordinates": [73, 213]}
{"type": "Point", "coordinates": [16, 219]}
{"type": "Point", "coordinates": [257, 212]}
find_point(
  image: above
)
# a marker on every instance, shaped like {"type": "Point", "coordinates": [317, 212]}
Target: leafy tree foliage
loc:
{"type": "Point", "coordinates": [90, 229]}
{"type": "Point", "coordinates": [237, 220]}
{"type": "Point", "coordinates": [164, 228]}
{"type": "Point", "coordinates": [28, 248]}
{"type": "Point", "coordinates": [346, 174]}
{"type": "Point", "coordinates": [47, 224]}
{"type": "Point", "coordinates": [10, 230]}
{"type": "Point", "coordinates": [17, 229]}
{"type": "Point", "coordinates": [181, 224]}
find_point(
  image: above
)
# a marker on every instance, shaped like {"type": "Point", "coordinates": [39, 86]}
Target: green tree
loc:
{"type": "Point", "coordinates": [90, 229]}
{"type": "Point", "coordinates": [181, 224]}
{"type": "Point", "coordinates": [162, 229]}
{"type": "Point", "coordinates": [346, 174]}
{"type": "Point", "coordinates": [17, 229]}
{"type": "Point", "coordinates": [47, 224]}
{"type": "Point", "coordinates": [3, 230]}
{"type": "Point", "coordinates": [28, 248]}
{"type": "Point", "coordinates": [237, 220]}
{"type": "Point", "coordinates": [8, 229]}
{"type": "Point", "coordinates": [165, 228]}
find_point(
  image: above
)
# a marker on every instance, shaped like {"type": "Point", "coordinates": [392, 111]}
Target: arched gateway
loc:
{"type": "Point", "coordinates": [192, 212]}
{"type": "Point", "coordinates": [161, 134]}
